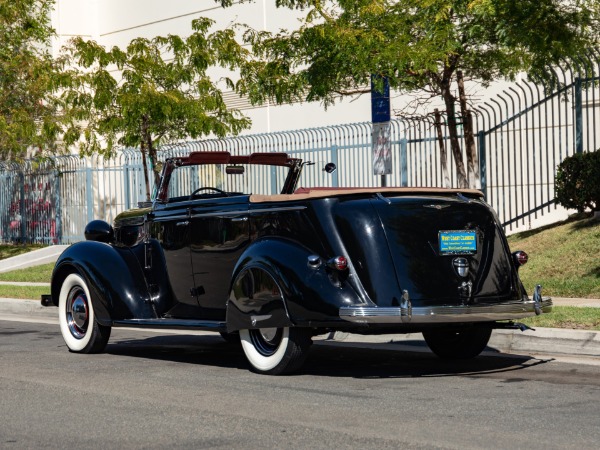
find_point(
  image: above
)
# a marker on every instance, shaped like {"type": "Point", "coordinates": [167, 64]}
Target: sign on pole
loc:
{"type": "Point", "coordinates": [380, 115]}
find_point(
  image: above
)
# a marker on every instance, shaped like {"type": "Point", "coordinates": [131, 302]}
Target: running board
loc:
{"type": "Point", "coordinates": [175, 324]}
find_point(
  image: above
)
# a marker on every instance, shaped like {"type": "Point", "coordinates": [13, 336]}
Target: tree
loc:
{"type": "Point", "coordinates": [28, 78]}
{"type": "Point", "coordinates": [154, 92]}
{"type": "Point", "coordinates": [429, 46]}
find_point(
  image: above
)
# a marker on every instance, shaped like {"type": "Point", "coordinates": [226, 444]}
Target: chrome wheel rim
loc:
{"type": "Point", "coordinates": [77, 312]}
{"type": "Point", "coordinates": [266, 340]}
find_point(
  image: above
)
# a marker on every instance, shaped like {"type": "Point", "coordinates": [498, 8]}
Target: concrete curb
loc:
{"type": "Point", "coordinates": [541, 341]}
{"type": "Point", "coordinates": [26, 308]}
{"type": "Point", "coordinates": [556, 341]}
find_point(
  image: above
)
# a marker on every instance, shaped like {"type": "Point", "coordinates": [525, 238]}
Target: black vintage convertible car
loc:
{"type": "Point", "coordinates": [272, 271]}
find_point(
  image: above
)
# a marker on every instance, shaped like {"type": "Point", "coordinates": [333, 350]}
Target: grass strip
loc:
{"type": "Point", "coordinates": [36, 274]}
{"type": "Point", "coordinates": [564, 258]}
{"type": "Point", "coordinates": [574, 317]}
{"type": "Point", "coordinates": [24, 292]}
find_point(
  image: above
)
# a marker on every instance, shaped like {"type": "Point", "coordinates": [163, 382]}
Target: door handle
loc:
{"type": "Point", "coordinates": [240, 219]}
{"type": "Point", "coordinates": [182, 224]}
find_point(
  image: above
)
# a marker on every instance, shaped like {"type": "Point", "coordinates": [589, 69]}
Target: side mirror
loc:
{"type": "Point", "coordinates": [330, 167]}
{"type": "Point", "coordinates": [99, 230]}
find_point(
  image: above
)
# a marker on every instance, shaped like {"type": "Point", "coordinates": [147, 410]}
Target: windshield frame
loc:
{"type": "Point", "coordinates": [294, 165]}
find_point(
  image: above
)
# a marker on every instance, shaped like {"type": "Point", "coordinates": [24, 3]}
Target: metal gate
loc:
{"type": "Point", "coordinates": [523, 134]}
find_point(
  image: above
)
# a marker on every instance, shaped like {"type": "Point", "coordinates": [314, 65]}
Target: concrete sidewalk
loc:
{"type": "Point", "coordinates": [42, 256]}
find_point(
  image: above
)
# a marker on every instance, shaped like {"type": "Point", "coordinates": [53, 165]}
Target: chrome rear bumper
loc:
{"type": "Point", "coordinates": [446, 314]}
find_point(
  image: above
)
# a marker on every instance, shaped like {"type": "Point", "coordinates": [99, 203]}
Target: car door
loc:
{"type": "Point", "coordinates": [172, 226]}
{"type": "Point", "coordinates": [219, 232]}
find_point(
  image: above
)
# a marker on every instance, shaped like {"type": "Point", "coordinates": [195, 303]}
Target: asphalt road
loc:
{"type": "Point", "coordinates": [153, 390]}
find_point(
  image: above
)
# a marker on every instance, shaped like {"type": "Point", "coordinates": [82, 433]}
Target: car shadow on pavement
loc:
{"type": "Point", "coordinates": [340, 361]}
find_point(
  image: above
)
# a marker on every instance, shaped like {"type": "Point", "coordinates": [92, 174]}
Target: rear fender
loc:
{"type": "Point", "coordinates": [114, 276]}
{"type": "Point", "coordinates": [256, 300]}
{"type": "Point", "coordinates": [301, 294]}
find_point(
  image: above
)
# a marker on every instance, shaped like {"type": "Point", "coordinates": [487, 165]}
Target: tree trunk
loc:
{"type": "Point", "coordinates": [143, 150]}
{"type": "Point", "coordinates": [443, 154]}
{"type": "Point", "coordinates": [146, 139]}
{"type": "Point", "coordinates": [471, 150]}
{"type": "Point", "coordinates": [449, 100]}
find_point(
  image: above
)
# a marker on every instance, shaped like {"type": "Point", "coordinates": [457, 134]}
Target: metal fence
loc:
{"type": "Point", "coordinates": [523, 134]}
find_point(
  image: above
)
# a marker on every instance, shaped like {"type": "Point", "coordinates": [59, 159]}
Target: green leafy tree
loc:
{"type": "Point", "coordinates": [153, 92]}
{"type": "Point", "coordinates": [29, 77]}
{"type": "Point", "coordinates": [426, 46]}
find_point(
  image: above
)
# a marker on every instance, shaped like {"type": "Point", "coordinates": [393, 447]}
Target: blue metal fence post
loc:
{"type": "Point", "coordinates": [403, 162]}
{"type": "Point", "coordinates": [127, 186]}
{"type": "Point", "coordinates": [482, 162]}
{"type": "Point", "coordinates": [58, 208]}
{"type": "Point", "coordinates": [23, 208]}
{"type": "Point", "coordinates": [334, 159]}
{"type": "Point", "coordinates": [274, 189]}
{"type": "Point", "coordinates": [89, 197]}
{"type": "Point", "coordinates": [578, 116]}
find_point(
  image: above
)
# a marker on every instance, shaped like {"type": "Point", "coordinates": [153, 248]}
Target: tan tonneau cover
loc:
{"type": "Point", "coordinates": [304, 193]}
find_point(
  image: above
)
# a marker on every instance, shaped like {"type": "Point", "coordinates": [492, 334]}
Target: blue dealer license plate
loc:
{"type": "Point", "coordinates": [463, 242]}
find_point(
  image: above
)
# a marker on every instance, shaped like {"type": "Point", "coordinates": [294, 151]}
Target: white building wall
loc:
{"type": "Point", "coordinates": [117, 22]}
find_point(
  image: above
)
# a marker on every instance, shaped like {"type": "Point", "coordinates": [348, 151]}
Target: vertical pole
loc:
{"type": "Point", "coordinates": [380, 135]}
{"type": "Point", "coordinates": [578, 116]}
{"type": "Point", "coordinates": [482, 162]}
{"type": "Point", "coordinates": [127, 185]}
{"type": "Point", "coordinates": [403, 162]}
{"type": "Point", "coordinates": [89, 194]}
{"type": "Point", "coordinates": [58, 209]}
{"type": "Point", "coordinates": [334, 157]}
{"type": "Point", "coordinates": [274, 189]}
{"type": "Point", "coordinates": [23, 208]}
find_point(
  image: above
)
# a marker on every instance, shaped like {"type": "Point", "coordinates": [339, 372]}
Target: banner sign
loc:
{"type": "Point", "coordinates": [382, 154]}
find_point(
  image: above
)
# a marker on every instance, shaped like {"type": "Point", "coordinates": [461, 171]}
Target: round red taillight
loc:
{"type": "Point", "coordinates": [521, 258]}
{"type": "Point", "coordinates": [341, 263]}
{"type": "Point", "coordinates": [338, 263]}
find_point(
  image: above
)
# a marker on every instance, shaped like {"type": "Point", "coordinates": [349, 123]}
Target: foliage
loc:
{"type": "Point", "coordinates": [578, 181]}
{"type": "Point", "coordinates": [29, 77]}
{"type": "Point", "coordinates": [153, 92]}
{"type": "Point", "coordinates": [418, 45]}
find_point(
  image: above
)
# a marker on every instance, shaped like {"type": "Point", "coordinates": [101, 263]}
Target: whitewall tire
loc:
{"type": "Point", "coordinates": [78, 325]}
{"type": "Point", "coordinates": [275, 351]}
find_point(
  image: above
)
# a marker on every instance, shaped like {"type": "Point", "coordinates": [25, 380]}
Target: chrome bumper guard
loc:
{"type": "Point", "coordinates": [446, 314]}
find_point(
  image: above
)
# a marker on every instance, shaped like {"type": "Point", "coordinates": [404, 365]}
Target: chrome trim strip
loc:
{"type": "Point", "coordinates": [224, 214]}
{"type": "Point", "coordinates": [246, 212]}
{"type": "Point", "coordinates": [209, 325]}
{"type": "Point", "coordinates": [276, 209]}
{"type": "Point", "coordinates": [445, 314]}
{"type": "Point", "coordinates": [170, 218]}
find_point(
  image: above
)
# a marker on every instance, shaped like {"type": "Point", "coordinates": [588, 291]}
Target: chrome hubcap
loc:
{"type": "Point", "coordinates": [77, 313]}
{"type": "Point", "coordinates": [268, 334]}
{"type": "Point", "coordinates": [266, 340]}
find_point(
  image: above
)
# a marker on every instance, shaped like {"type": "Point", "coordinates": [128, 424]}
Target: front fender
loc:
{"type": "Point", "coordinates": [114, 276]}
{"type": "Point", "coordinates": [309, 295]}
